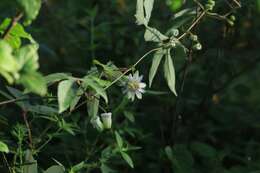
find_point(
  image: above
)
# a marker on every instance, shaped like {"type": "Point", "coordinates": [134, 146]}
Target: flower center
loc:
{"type": "Point", "coordinates": [133, 85]}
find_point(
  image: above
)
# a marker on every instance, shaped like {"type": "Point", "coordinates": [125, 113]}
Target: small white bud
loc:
{"type": "Point", "coordinates": [107, 120]}
{"type": "Point", "coordinates": [197, 46]}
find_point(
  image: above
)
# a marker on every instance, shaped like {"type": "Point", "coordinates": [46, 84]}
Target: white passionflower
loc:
{"type": "Point", "coordinates": [96, 122]}
{"type": "Point", "coordinates": [134, 86]}
{"type": "Point", "coordinates": [107, 120]}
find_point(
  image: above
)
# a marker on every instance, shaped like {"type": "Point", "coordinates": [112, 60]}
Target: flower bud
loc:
{"type": "Point", "coordinates": [194, 37]}
{"type": "Point", "coordinates": [107, 120]}
{"type": "Point", "coordinates": [232, 17]}
{"type": "Point", "coordinates": [197, 46]}
{"type": "Point", "coordinates": [175, 32]}
{"type": "Point", "coordinates": [95, 121]}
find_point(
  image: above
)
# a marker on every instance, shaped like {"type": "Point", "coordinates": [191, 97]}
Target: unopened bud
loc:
{"type": "Point", "coordinates": [197, 46]}
{"type": "Point", "coordinates": [107, 120]}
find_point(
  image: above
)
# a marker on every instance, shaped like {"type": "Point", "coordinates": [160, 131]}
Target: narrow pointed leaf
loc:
{"type": "Point", "coordinates": [155, 64]}
{"type": "Point", "coordinates": [169, 72]}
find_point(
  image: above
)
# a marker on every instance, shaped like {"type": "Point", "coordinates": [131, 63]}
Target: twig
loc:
{"type": "Point", "coordinates": [192, 25]}
{"type": "Point", "coordinates": [12, 24]}
{"type": "Point", "coordinates": [24, 114]}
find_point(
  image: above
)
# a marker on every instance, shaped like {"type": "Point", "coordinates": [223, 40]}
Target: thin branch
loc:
{"type": "Point", "coordinates": [193, 25]}
{"type": "Point", "coordinates": [24, 114]}
{"type": "Point", "coordinates": [14, 21]}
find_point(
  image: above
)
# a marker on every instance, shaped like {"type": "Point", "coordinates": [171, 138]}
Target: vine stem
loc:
{"type": "Point", "coordinates": [192, 25]}
{"type": "Point", "coordinates": [129, 69]}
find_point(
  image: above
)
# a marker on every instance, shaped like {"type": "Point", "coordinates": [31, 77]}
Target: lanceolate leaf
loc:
{"type": "Point", "coordinates": [128, 159]}
{"type": "Point", "coordinates": [140, 20]}
{"type": "Point", "coordinates": [148, 6]}
{"type": "Point", "coordinates": [152, 34]}
{"type": "Point", "coordinates": [155, 64]}
{"type": "Point", "coordinates": [169, 72]}
{"type": "Point", "coordinates": [67, 91]}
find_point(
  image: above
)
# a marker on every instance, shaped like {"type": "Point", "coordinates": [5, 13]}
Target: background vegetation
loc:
{"type": "Point", "coordinates": [211, 126]}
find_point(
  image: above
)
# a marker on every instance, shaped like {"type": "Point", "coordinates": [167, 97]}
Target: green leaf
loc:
{"type": "Point", "coordinates": [16, 33]}
{"type": "Point", "coordinates": [92, 106]}
{"type": "Point", "coordinates": [30, 163]}
{"type": "Point", "coordinates": [8, 65]}
{"type": "Point", "coordinates": [34, 82]}
{"type": "Point", "coordinates": [27, 57]}
{"type": "Point", "coordinates": [75, 101]}
{"type": "Point", "coordinates": [152, 34]}
{"type": "Point", "coordinates": [169, 72]}
{"type": "Point", "coordinates": [148, 6]}
{"type": "Point", "coordinates": [140, 20]}
{"type": "Point", "coordinates": [31, 8]}
{"type": "Point", "coordinates": [155, 64]}
{"type": "Point", "coordinates": [169, 153]}
{"type": "Point", "coordinates": [130, 116]}
{"type": "Point", "coordinates": [105, 169]}
{"type": "Point", "coordinates": [55, 169]}
{"type": "Point", "coordinates": [3, 147]}
{"type": "Point", "coordinates": [119, 140]}
{"type": "Point", "coordinates": [41, 109]}
{"type": "Point", "coordinates": [55, 77]}
{"type": "Point", "coordinates": [89, 82]}
{"type": "Point", "coordinates": [67, 91]}
{"type": "Point", "coordinates": [128, 159]}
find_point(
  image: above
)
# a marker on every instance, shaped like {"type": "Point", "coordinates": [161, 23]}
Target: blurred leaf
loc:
{"type": "Point", "coordinates": [8, 65]}
{"type": "Point", "coordinates": [105, 169]}
{"type": "Point", "coordinates": [55, 169]}
{"type": "Point", "coordinates": [16, 33]}
{"type": "Point", "coordinates": [130, 116]}
{"type": "Point", "coordinates": [155, 64]}
{"type": "Point", "coordinates": [34, 82]}
{"type": "Point", "coordinates": [31, 8]}
{"type": "Point", "coordinates": [55, 77]}
{"type": "Point", "coordinates": [67, 91]}
{"type": "Point", "coordinates": [128, 159]}
{"type": "Point", "coordinates": [27, 57]}
{"type": "Point", "coordinates": [30, 163]}
{"type": "Point", "coordinates": [169, 72]}
{"type": "Point", "coordinates": [119, 140]}
{"type": "Point", "coordinates": [3, 147]}
{"type": "Point", "coordinates": [204, 150]}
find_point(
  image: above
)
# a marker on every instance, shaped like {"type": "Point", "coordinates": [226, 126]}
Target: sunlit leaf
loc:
{"type": "Point", "coordinates": [67, 91]}
{"type": "Point", "coordinates": [3, 147]}
{"type": "Point", "coordinates": [31, 8]}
